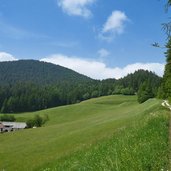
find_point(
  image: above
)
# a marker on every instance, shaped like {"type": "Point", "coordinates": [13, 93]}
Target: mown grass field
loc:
{"type": "Point", "coordinates": [107, 133]}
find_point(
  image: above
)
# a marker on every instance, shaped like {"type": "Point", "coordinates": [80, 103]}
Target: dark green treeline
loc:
{"type": "Point", "coordinates": [39, 91]}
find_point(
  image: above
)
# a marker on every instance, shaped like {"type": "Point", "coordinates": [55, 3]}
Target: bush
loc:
{"type": "Point", "coordinates": [127, 91]}
{"type": "Point", "coordinates": [45, 119]}
{"type": "Point", "coordinates": [8, 118]}
{"type": "Point", "coordinates": [30, 123]}
{"type": "Point", "coordinates": [37, 121]}
{"type": "Point", "coordinates": [169, 100]}
{"type": "Point", "coordinates": [145, 92]}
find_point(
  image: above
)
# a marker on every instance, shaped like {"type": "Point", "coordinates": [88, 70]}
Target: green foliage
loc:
{"type": "Point", "coordinates": [45, 118]}
{"type": "Point", "coordinates": [86, 96]}
{"type": "Point", "coordinates": [95, 93]}
{"type": "Point", "coordinates": [37, 121]}
{"type": "Point", "coordinates": [30, 123]}
{"type": "Point", "coordinates": [136, 79]}
{"type": "Point", "coordinates": [118, 89]}
{"type": "Point", "coordinates": [169, 1]}
{"type": "Point", "coordinates": [127, 91]}
{"type": "Point", "coordinates": [8, 118]}
{"type": "Point", "coordinates": [165, 89]}
{"type": "Point", "coordinates": [145, 92]}
{"type": "Point", "coordinates": [169, 99]}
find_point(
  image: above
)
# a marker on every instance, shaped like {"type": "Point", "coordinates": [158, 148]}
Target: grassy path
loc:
{"type": "Point", "coordinates": [166, 104]}
{"type": "Point", "coordinates": [169, 106]}
{"type": "Point", "coordinates": [170, 136]}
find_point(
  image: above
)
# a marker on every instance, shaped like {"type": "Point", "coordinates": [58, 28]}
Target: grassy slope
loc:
{"type": "Point", "coordinates": [142, 146]}
{"type": "Point", "coordinates": [69, 129]}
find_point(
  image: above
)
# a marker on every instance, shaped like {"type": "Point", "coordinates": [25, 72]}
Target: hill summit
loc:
{"type": "Point", "coordinates": [37, 72]}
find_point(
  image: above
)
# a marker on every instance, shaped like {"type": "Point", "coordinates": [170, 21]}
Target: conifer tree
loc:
{"type": "Point", "coordinates": [166, 83]}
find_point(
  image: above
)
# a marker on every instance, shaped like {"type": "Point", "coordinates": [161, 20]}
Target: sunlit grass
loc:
{"type": "Point", "coordinates": [75, 131]}
{"type": "Point", "coordinates": [142, 146]}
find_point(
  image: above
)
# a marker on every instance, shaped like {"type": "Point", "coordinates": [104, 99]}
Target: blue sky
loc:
{"type": "Point", "coordinates": [97, 38]}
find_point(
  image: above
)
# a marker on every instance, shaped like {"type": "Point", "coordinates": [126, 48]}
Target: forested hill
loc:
{"type": "Point", "coordinates": [29, 85]}
{"type": "Point", "coordinates": [36, 72]}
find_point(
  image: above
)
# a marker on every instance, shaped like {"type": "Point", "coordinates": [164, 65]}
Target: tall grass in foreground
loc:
{"type": "Point", "coordinates": [144, 146]}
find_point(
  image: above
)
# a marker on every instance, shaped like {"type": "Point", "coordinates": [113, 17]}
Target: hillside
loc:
{"type": "Point", "coordinates": [89, 135]}
{"type": "Point", "coordinates": [29, 85]}
{"type": "Point", "coordinates": [36, 72]}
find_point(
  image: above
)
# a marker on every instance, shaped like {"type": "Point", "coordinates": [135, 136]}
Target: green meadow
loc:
{"type": "Point", "coordinates": [106, 133]}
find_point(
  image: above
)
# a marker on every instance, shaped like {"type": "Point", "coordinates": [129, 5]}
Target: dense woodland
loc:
{"type": "Point", "coordinates": [33, 85]}
{"type": "Point", "coordinates": [37, 72]}
{"type": "Point", "coordinates": [165, 89]}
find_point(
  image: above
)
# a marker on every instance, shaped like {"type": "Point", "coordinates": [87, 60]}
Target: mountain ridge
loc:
{"type": "Point", "coordinates": [38, 72]}
{"type": "Point", "coordinates": [29, 85]}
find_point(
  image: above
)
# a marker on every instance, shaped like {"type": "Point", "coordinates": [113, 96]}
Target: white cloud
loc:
{"type": "Point", "coordinates": [76, 7]}
{"type": "Point", "coordinates": [114, 25]}
{"type": "Point", "coordinates": [6, 57]}
{"type": "Point", "coordinates": [103, 53]}
{"type": "Point", "coordinates": [99, 70]}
